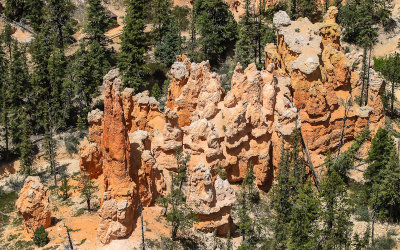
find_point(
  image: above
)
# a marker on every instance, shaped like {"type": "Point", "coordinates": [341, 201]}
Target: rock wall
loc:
{"type": "Point", "coordinates": [33, 204]}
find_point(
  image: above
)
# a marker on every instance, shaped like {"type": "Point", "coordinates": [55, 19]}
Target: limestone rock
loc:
{"type": "Point", "coordinates": [211, 199]}
{"type": "Point", "coordinates": [33, 204]}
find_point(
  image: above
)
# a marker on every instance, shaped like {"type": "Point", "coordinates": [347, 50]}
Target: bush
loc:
{"type": "Point", "coordinates": [40, 236]}
{"type": "Point", "coordinates": [71, 144]}
{"type": "Point", "coordinates": [361, 213]}
{"type": "Point", "coordinates": [383, 243]}
{"type": "Point", "coordinates": [99, 104]}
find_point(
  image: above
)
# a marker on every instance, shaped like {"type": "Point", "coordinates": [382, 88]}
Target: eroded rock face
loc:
{"type": "Point", "coordinates": [119, 201]}
{"type": "Point", "coordinates": [33, 204]}
{"type": "Point", "coordinates": [91, 158]}
{"type": "Point", "coordinates": [149, 176]}
{"type": "Point", "coordinates": [211, 199]}
{"type": "Point", "coordinates": [310, 57]}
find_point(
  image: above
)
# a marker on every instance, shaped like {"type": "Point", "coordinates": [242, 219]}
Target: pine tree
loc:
{"type": "Point", "coordinates": [217, 29]}
{"type": "Point", "coordinates": [169, 47]}
{"type": "Point", "coordinates": [131, 61]}
{"type": "Point", "coordinates": [161, 10]}
{"type": "Point", "coordinates": [245, 43]}
{"type": "Point", "coordinates": [281, 202]}
{"type": "Point", "coordinates": [337, 226]}
{"type": "Point", "coordinates": [19, 86]}
{"type": "Point", "coordinates": [4, 100]}
{"type": "Point", "coordinates": [65, 188]}
{"type": "Point", "coordinates": [60, 19]}
{"type": "Point", "coordinates": [303, 226]}
{"type": "Point", "coordinates": [378, 156]}
{"type": "Point", "coordinates": [50, 148]}
{"type": "Point", "coordinates": [26, 147]}
{"type": "Point", "coordinates": [14, 9]}
{"type": "Point", "coordinates": [97, 22]}
{"type": "Point", "coordinates": [86, 188]}
{"type": "Point", "coordinates": [35, 13]}
{"type": "Point", "coordinates": [178, 213]}
{"type": "Point", "coordinates": [248, 196]}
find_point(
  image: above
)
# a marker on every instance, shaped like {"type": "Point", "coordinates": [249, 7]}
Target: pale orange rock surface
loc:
{"type": "Point", "coordinates": [91, 159]}
{"type": "Point", "coordinates": [119, 201]}
{"type": "Point", "coordinates": [33, 204]}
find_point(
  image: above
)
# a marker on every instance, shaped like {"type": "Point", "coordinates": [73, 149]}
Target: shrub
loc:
{"type": "Point", "coordinates": [71, 144]}
{"type": "Point", "coordinates": [40, 236]}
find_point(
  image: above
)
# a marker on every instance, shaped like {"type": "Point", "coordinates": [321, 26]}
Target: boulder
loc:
{"type": "Point", "coordinates": [33, 204]}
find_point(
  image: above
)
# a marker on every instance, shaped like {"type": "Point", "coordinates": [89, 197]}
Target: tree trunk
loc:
{"type": "Point", "coordinates": [88, 204]}
{"type": "Point", "coordinates": [363, 75]}
{"type": "Point", "coordinates": [392, 100]}
{"type": "Point", "coordinates": [369, 65]}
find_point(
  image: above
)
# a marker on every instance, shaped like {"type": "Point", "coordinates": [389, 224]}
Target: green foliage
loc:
{"type": "Point", "coordinates": [97, 22]}
{"type": "Point", "coordinates": [181, 15]}
{"type": "Point", "coordinates": [71, 144]}
{"type": "Point", "coordinates": [156, 91]}
{"type": "Point", "coordinates": [217, 29]}
{"type": "Point", "coordinates": [26, 147]}
{"type": "Point", "coordinates": [383, 243]}
{"type": "Point", "coordinates": [388, 67]}
{"type": "Point", "coordinates": [86, 188]}
{"type": "Point", "coordinates": [178, 214]}
{"type": "Point", "coordinates": [65, 188]}
{"type": "Point", "coordinates": [7, 206]}
{"type": "Point", "coordinates": [304, 8]}
{"type": "Point", "coordinates": [14, 9]}
{"type": "Point", "coordinates": [169, 47]}
{"type": "Point", "coordinates": [161, 13]}
{"type": "Point", "coordinates": [131, 60]}
{"type": "Point", "coordinates": [337, 226]}
{"type": "Point", "coordinates": [40, 237]}
{"type": "Point", "coordinates": [80, 126]}
{"type": "Point", "coordinates": [361, 243]}
{"type": "Point", "coordinates": [246, 42]}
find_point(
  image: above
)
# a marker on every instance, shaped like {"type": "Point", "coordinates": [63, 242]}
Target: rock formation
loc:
{"type": "Point", "coordinates": [308, 83]}
{"type": "Point", "coordinates": [33, 204]}
{"type": "Point", "coordinates": [211, 200]}
{"type": "Point", "coordinates": [322, 81]}
{"type": "Point", "coordinates": [119, 201]}
{"type": "Point", "coordinates": [90, 151]}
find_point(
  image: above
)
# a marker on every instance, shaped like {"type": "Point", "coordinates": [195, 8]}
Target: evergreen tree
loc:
{"type": "Point", "coordinates": [60, 19]}
{"type": "Point", "coordinates": [133, 45]}
{"type": "Point", "coordinates": [161, 19]}
{"type": "Point", "coordinates": [248, 196]}
{"type": "Point", "coordinates": [19, 86]}
{"type": "Point", "coordinates": [40, 236]}
{"type": "Point", "coordinates": [86, 188]}
{"type": "Point", "coordinates": [97, 22]}
{"type": "Point", "coordinates": [169, 47]}
{"type": "Point", "coordinates": [34, 11]}
{"type": "Point", "coordinates": [65, 188]}
{"type": "Point", "coordinates": [337, 226]}
{"type": "Point", "coordinates": [177, 212]}
{"type": "Point", "coordinates": [303, 226]}
{"type": "Point", "coordinates": [245, 43]}
{"type": "Point", "coordinates": [378, 156]}
{"type": "Point", "coordinates": [382, 177]}
{"type": "Point", "coordinates": [50, 148]}
{"type": "Point", "coordinates": [389, 68]}
{"type": "Point", "coordinates": [14, 9]}
{"type": "Point", "coordinates": [281, 202]}
{"type": "Point", "coordinates": [26, 147]}
{"type": "Point", "coordinates": [4, 99]}
{"type": "Point", "coordinates": [217, 29]}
